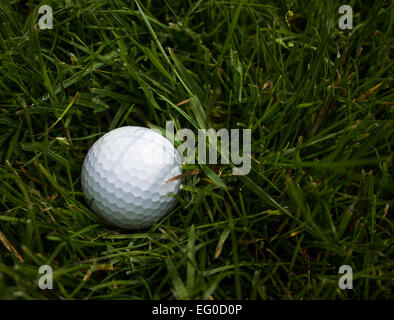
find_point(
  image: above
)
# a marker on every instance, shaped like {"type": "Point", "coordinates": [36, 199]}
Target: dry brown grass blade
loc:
{"type": "Point", "coordinates": [183, 102]}
{"type": "Point", "coordinates": [320, 118]}
{"type": "Point", "coordinates": [10, 247]}
{"type": "Point", "coordinates": [28, 175]}
{"type": "Point", "coordinates": [185, 174]}
{"type": "Point", "coordinates": [369, 92]}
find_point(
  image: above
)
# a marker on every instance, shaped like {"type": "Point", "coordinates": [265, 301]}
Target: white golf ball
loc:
{"type": "Point", "coordinates": [125, 177]}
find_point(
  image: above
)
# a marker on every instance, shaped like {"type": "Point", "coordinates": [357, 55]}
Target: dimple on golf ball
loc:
{"type": "Point", "coordinates": [125, 177]}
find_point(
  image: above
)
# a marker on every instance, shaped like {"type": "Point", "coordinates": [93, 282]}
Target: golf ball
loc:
{"type": "Point", "coordinates": [125, 177]}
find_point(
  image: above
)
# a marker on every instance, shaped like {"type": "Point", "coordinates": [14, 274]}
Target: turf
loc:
{"type": "Point", "coordinates": [319, 102]}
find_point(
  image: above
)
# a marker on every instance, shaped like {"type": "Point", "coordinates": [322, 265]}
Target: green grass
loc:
{"type": "Point", "coordinates": [319, 102]}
